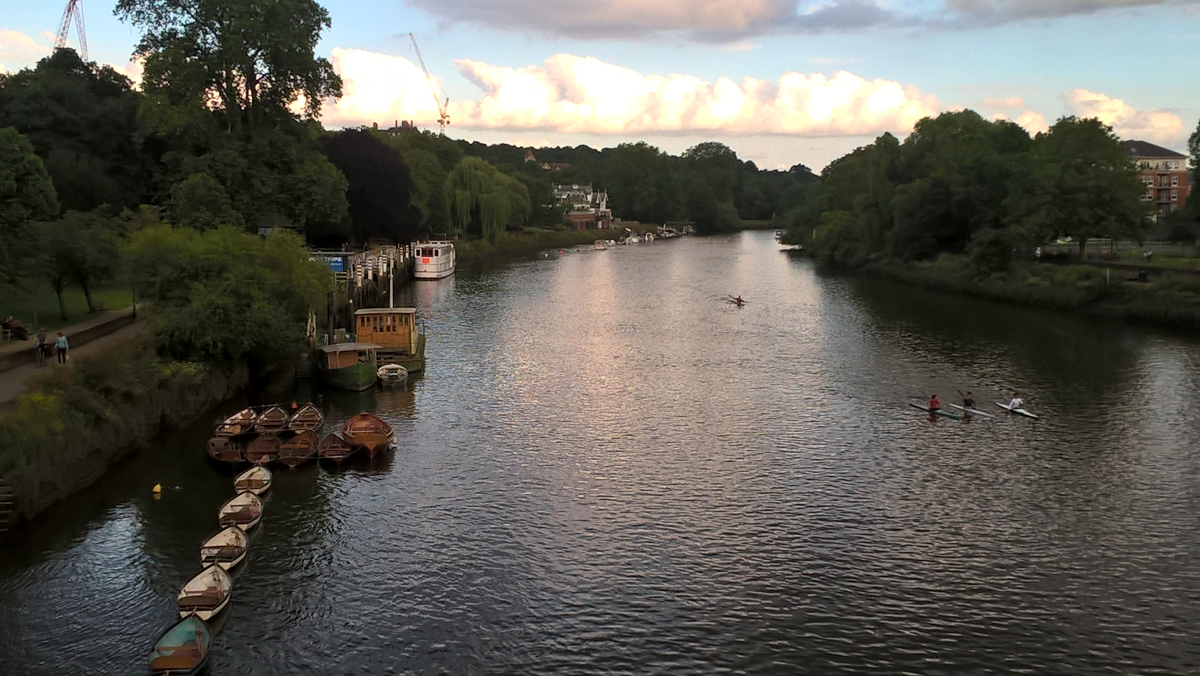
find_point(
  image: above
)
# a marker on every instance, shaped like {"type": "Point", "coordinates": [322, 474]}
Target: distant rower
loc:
{"type": "Point", "coordinates": [1016, 402]}
{"type": "Point", "coordinates": [968, 401]}
{"type": "Point", "coordinates": [934, 404]}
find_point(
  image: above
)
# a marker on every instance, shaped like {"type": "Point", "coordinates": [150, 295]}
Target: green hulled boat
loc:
{"type": "Point", "coordinates": [348, 366]}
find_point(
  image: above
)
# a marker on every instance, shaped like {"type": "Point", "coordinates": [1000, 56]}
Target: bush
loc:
{"type": "Point", "coordinates": [990, 251]}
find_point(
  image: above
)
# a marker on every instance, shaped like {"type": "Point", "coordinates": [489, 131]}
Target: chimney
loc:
{"type": "Point", "coordinates": [375, 126]}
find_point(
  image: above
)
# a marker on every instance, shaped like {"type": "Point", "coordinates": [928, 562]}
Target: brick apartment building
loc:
{"type": "Point", "coordinates": [1165, 175]}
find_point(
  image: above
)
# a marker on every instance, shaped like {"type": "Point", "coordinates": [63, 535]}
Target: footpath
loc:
{"type": "Point", "coordinates": [87, 339]}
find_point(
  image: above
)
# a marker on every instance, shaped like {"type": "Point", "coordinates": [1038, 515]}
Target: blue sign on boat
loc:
{"type": "Point", "coordinates": [337, 264]}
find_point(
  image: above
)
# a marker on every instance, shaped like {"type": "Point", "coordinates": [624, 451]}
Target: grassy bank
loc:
{"type": "Point", "coordinates": [1167, 299]}
{"type": "Point", "coordinates": [74, 422]}
{"type": "Point", "coordinates": [39, 308]}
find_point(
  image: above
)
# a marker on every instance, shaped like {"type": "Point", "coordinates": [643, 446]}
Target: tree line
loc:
{"type": "Point", "coordinates": [962, 184]}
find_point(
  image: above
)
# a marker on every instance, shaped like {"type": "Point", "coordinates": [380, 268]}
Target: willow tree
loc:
{"type": "Point", "coordinates": [482, 200]}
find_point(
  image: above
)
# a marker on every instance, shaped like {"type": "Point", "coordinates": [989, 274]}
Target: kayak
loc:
{"type": "Point", "coordinates": [972, 411]}
{"type": "Point", "coordinates": [953, 416]}
{"type": "Point", "coordinates": [1022, 411]}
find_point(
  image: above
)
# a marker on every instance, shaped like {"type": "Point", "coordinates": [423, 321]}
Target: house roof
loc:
{"type": "Point", "coordinates": [1144, 149]}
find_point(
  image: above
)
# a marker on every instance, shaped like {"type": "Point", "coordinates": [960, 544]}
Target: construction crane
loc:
{"type": "Point", "coordinates": [74, 11]}
{"type": "Point", "coordinates": [443, 116]}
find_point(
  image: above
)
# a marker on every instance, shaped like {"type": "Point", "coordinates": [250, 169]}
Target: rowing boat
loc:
{"type": "Point", "coordinates": [226, 549]}
{"type": "Point", "coordinates": [1022, 411]}
{"type": "Point", "coordinates": [207, 594]}
{"type": "Point", "coordinates": [972, 411]}
{"type": "Point", "coordinates": [257, 480]}
{"type": "Point", "coordinates": [947, 414]}
{"type": "Point", "coordinates": [182, 649]}
{"type": "Point", "coordinates": [243, 510]}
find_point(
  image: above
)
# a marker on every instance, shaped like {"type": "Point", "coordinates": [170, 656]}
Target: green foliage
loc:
{"type": "Point", "coordinates": [483, 200]}
{"type": "Point", "coordinates": [380, 186]}
{"type": "Point", "coordinates": [75, 421]}
{"type": "Point", "coordinates": [990, 251]}
{"type": "Point", "coordinates": [200, 202]}
{"type": "Point", "coordinates": [80, 248]}
{"type": "Point", "coordinates": [255, 58]}
{"type": "Point", "coordinates": [26, 194]}
{"type": "Point", "coordinates": [224, 295]}
{"type": "Point", "coordinates": [82, 120]}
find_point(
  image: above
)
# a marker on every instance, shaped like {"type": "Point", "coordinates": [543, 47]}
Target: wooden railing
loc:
{"type": "Point", "coordinates": [6, 506]}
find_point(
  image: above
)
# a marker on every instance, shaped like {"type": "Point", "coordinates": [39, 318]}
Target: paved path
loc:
{"type": "Point", "coordinates": [13, 382]}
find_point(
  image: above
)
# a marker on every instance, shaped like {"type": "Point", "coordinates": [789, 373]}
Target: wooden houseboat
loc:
{"type": "Point", "coordinates": [308, 417]}
{"type": "Point", "coordinates": [225, 549]}
{"type": "Point", "coordinates": [263, 450]}
{"type": "Point", "coordinates": [241, 422]}
{"type": "Point", "coordinates": [182, 649]}
{"type": "Point", "coordinates": [273, 420]}
{"type": "Point", "coordinates": [396, 334]}
{"type": "Point", "coordinates": [299, 449]}
{"type": "Point", "coordinates": [243, 510]}
{"type": "Point", "coordinates": [257, 480]}
{"type": "Point", "coordinates": [207, 594]}
{"type": "Point", "coordinates": [226, 449]}
{"type": "Point", "coordinates": [368, 431]}
{"type": "Point", "coordinates": [348, 366]}
{"type": "Point", "coordinates": [434, 260]}
{"type": "Point", "coordinates": [335, 448]}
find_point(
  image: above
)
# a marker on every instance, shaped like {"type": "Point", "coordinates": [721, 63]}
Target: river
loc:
{"type": "Point", "coordinates": [606, 468]}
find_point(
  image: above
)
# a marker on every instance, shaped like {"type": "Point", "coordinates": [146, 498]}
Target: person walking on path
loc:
{"type": "Point", "coordinates": [42, 348]}
{"type": "Point", "coordinates": [60, 344]}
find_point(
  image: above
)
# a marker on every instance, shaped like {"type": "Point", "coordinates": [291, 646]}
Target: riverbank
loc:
{"type": "Point", "coordinates": [1170, 299]}
{"type": "Point", "coordinates": [530, 242]}
{"type": "Point", "coordinates": [76, 421]}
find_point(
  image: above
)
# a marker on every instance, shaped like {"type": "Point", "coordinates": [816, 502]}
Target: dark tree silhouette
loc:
{"type": "Point", "coordinates": [380, 187]}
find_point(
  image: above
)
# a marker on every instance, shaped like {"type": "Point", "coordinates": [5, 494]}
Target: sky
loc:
{"type": "Point", "coordinates": [781, 82]}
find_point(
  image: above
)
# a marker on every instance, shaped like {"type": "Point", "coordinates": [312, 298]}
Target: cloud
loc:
{"type": "Point", "coordinates": [1011, 103]}
{"type": "Point", "coordinates": [583, 95]}
{"type": "Point", "coordinates": [18, 50]}
{"type": "Point", "coordinates": [731, 20]}
{"type": "Point", "coordinates": [1159, 126]}
{"type": "Point", "coordinates": [1031, 120]}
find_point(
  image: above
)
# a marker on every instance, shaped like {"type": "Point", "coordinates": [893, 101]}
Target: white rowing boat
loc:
{"type": "Point", "coordinates": [972, 411]}
{"type": "Point", "coordinates": [1021, 411]}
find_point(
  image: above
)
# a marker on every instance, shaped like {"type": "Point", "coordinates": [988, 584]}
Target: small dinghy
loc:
{"type": "Point", "coordinates": [257, 480]}
{"type": "Point", "coordinates": [335, 448]}
{"type": "Point", "coordinates": [207, 594]}
{"type": "Point", "coordinates": [264, 449]}
{"type": "Point", "coordinates": [243, 510]}
{"type": "Point", "coordinates": [182, 649]}
{"type": "Point", "coordinates": [273, 420]}
{"type": "Point", "coordinates": [309, 417]}
{"type": "Point", "coordinates": [226, 449]}
{"type": "Point", "coordinates": [225, 549]}
{"type": "Point", "coordinates": [241, 422]}
{"type": "Point", "coordinates": [299, 449]}
{"type": "Point", "coordinates": [368, 431]}
{"type": "Point", "coordinates": [391, 374]}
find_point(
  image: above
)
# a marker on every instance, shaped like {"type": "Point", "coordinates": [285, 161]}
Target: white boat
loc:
{"type": "Point", "coordinates": [225, 549]}
{"type": "Point", "coordinates": [601, 245]}
{"type": "Point", "coordinates": [972, 411]}
{"type": "Point", "coordinates": [435, 260]}
{"type": "Point", "coordinates": [243, 510]}
{"type": "Point", "coordinates": [1021, 411]}
{"type": "Point", "coordinates": [257, 480]}
{"type": "Point", "coordinates": [633, 239]}
{"type": "Point", "coordinates": [391, 374]}
{"type": "Point", "coordinates": [207, 594]}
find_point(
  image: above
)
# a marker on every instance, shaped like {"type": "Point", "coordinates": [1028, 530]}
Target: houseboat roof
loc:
{"type": "Point", "coordinates": [386, 311]}
{"type": "Point", "coordinates": [348, 347]}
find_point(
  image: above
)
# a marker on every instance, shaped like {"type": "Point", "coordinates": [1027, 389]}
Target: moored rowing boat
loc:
{"type": "Point", "coordinates": [369, 432]}
{"type": "Point", "coordinates": [335, 448]}
{"type": "Point", "coordinates": [264, 449]}
{"type": "Point", "coordinates": [243, 510]}
{"type": "Point", "coordinates": [226, 449]}
{"type": "Point", "coordinates": [207, 594]}
{"type": "Point", "coordinates": [241, 422]}
{"type": "Point", "coordinates": [272, 420]}
{"type": "Point", "coordinates": [182, 649]}
{"type": "Point", "coordinates": [299, 449]}
{"type": "Point", "coordinates": [308, 417]}
{"type": "Point", "coordinates": [225, 549]}
{"type": "Point", "coordinates": [257, 480]}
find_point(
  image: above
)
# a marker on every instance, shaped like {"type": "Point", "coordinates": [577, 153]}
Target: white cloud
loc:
{"type": "Point", "coordinates": [1159, 126]}
{"type": "Point", "coordinates": [730, 20]}
{"type": "Point", "coordinates": [1011, 103]}
{"type": "Point", "coordinates": [583, 95]}
{"type": "Point", "coordinates": [1030, 120]}
{"type": "Point", "coordinates": [18, 50]}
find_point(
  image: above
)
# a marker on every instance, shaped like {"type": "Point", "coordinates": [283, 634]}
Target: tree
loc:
{"type": "Point", "coordinates": [1081, 184]}
{"type": "Point", "coordinates": [253, 58]}
{"type": "Point", "coordinates": [26, 194]}
{"type": "Point", "coordinates": [225, 295]}
{"type": "Point", "coordinates": [641, 182]}
{"type": "Point", "coordinates": [200, 202]}
{"type": "Point", "coordinates": [482, 200]}
{"type": "Point", "coordinates": [82, 121]}
{"type": "Point", "coordinates": [81, 248]}
{"type": "Point", "coordinates": [380, 186]}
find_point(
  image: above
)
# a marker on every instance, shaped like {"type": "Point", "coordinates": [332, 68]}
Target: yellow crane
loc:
{"type": "Point", "coordinates": [443, 116]}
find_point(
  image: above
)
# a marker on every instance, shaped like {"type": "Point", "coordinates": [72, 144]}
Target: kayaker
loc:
{"type": "Point", "coordinates": [968, 401]}
{"type": "Point", "coordinates": [1016, 402]}
{"type": "Point", "coordinates": [934, 404]}
{"type": "Point", "coordinates": [739, 301]}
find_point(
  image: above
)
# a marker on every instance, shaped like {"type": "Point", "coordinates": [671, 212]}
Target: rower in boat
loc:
{"type": "Point", "coordinates": [968, 401]}
{"type": "Point", "coordinates": [738, 301]}
{"type": "Point", "coordinates": [1016, 402]}
{"type": "Point", "coordinates": [934, 404]}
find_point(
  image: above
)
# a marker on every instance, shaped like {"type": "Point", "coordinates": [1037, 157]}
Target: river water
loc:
{"type": "Point", "coordinates": [606, 468]}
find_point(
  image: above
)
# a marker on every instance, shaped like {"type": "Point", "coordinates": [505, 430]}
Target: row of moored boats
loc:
{"type": "Point", "coordinates": [184, 648]}
{"type": "Point", "coordinates": [272, 434]}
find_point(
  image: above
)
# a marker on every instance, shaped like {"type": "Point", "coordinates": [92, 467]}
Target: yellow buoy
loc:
{"type": "Point", "coordinates": [157, 489]}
